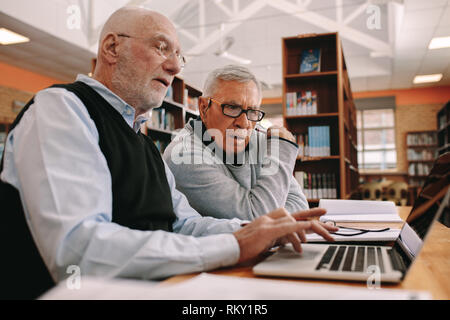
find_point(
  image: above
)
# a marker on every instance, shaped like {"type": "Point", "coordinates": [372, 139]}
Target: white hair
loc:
{"type": "Point", "coordinates": [230, 72]}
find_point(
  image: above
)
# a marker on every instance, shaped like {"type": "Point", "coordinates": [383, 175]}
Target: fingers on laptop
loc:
{"type": "Point", "coordinates": [306, 214]}
{"type": "Point", "coordinates": [321, 229]}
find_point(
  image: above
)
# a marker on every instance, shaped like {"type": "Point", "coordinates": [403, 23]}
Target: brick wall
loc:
{"type": "Point", "coordinates": [419, 117]}
{"type": "Point", "coordinates": [7, 96]}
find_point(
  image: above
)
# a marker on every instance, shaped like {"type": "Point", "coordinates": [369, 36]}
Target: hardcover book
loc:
{"type": "Point", "coordinates": [310, 60]}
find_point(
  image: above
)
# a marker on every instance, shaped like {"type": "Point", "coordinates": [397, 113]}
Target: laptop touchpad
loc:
{"type": "Point", "coordinates": [288, 253]}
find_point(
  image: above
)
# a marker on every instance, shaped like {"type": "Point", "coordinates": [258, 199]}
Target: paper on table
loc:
{"type": "Point", "coordinates": [359, 211]}
{"type": "Point", "coordinates": [389, 235]}
{"type": "Point", "coordinates": [215, 287]}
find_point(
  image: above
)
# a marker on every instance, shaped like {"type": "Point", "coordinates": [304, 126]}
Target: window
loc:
{"type": "Point", "coordinates": [376, 133]}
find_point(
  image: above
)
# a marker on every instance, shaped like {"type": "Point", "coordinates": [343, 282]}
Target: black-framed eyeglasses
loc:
{"type": "Point", "coordinates": [163, 48]}
{"type": "Point", "coordinates": [235, 111]}
{"type": "Point", "coordinates": [357, 232]}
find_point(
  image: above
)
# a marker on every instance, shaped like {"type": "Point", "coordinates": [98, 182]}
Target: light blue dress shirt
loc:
{"type": "Point", "coordinates": [53, 158]}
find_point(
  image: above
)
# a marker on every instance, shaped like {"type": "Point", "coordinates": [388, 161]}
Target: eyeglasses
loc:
{"type": "Point", "coordinates": [163, 47]}
{"type": "Point", "coordinates": [235, 111]}
{"type": "Point", "coordinates": [357, 230]}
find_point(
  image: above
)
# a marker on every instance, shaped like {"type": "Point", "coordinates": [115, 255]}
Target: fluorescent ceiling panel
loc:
{"type": "Point", "coordinates": [10, 37]}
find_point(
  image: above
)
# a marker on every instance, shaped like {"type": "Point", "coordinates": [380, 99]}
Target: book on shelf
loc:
{"type": "Point", "coordinates": [442, 121]}
{"type": "Point", "coordinates": [424, 138]}
{"type": "Point", "coordinates": [310, 60]}
{"type": "Point", "coordinates": [161, 145]}
{"type": "Point", "coordinates": [301, 103]}
{"type": "Point", "coordinates": [169, 93]}
{"type": "Point", "coordinates": [161, 119]}
{"type": "Point", "coordinates": [421, 155]}
{"type": "Point", "coordinates": [317, 185]}
{"type": "Point", "coordinates": [419, 169]}
{"type": "Point", "coordinates": [185, 97]}
{"type": "Point", "coordinates": [314, 143]}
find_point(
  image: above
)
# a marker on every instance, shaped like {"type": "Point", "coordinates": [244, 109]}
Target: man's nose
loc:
{"type": "Point", "coordinates": [242, 121]}
{"type": "Point", "coordinates": [172, 65]}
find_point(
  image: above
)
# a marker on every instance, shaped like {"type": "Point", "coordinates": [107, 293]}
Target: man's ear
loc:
{"type": "Point", "coordinates": [203, 107]}
{"type": "Point", "coordinates": [109, 47]}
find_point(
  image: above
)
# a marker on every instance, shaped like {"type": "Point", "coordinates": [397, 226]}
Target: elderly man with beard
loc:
{"type": "Point", "coordinates": [82, 189]}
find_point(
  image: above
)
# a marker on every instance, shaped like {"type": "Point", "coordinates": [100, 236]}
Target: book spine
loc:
{"type": "Point", "coordinates": [319, 186]}
{"type": "Point", "coordinates": [306, 185]}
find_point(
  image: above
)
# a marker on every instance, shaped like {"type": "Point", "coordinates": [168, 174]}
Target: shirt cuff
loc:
{"type": "Point", "coordinates": [219, 251]}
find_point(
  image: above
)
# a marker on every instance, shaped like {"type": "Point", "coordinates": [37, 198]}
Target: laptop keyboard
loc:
{"type": "Point", "coordinates": [351, 258]}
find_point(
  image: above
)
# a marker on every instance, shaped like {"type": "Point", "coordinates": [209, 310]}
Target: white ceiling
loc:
{"type": "Point", "coordinates": [257, 26]}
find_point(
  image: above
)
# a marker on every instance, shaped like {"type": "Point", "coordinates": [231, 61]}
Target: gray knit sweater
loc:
{"type": "Point", "coordinates": [229, 191]}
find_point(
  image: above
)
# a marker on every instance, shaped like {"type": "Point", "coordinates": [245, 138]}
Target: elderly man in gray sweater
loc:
{"type": "Point", "coordinates": [224, 163]}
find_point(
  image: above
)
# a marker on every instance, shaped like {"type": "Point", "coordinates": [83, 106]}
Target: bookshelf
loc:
{"type": "Point", "coordinates": [420, 155]}
{"type": "Point", "coordinates": [326, 123]}
{"type": "Point", "coordinates": [443, 125]}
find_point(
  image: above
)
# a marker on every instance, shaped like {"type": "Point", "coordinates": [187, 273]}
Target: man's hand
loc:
{"type": "Point", "coordinates": [281, 132]}
{"type": "Point", "coordinates": [280, 227]}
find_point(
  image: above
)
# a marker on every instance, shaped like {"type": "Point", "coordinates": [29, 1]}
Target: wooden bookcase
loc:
{"type": "Point", "coordinates": [179, 106]}
{"type": "Point", "coordinates": [335, 109]}
{"type": "Point", "coordinates": [443, 125]}
{"type": "Point", "coordinates": [420, 154]}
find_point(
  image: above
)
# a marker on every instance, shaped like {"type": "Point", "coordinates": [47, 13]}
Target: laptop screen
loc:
{"type": "Point", "coordinates": [431, 203]}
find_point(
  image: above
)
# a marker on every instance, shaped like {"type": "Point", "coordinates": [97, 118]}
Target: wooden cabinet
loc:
{"type": "Point", "coordinates": [329, 126]}
{"type": "Point", "coordinates": [420, 155]}
{"type": "Point", "coordinates": [179, 105]}
{"type": "Point", "coordinates": [443, 125]}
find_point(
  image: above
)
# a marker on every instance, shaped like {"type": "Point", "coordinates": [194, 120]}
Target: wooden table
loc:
{"type": "Point", "coordinates": [430, 271]}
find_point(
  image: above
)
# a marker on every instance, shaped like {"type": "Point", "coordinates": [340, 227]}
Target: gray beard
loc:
{"type": "Point", "coordinates": [135, 94]}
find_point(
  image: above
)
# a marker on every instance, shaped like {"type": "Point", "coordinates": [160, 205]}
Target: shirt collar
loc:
{"type": "Point", "coordinates": [115, 101]}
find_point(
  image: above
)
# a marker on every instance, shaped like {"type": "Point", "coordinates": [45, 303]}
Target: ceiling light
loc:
{"type": "Point", "coordinates": [9, 37]}
{"type": "Point", "coordinates": [439, 42]}
{"type": "Point", "coordinates": [428, 78]}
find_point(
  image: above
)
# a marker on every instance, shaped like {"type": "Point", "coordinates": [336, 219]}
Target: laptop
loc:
{"type": "Point", "coordinates": [353, 262]}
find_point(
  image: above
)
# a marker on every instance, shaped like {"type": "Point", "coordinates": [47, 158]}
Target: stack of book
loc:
{"type": "Point", "coordinates": [301, 103]}
{"type": "Point", "coordinates": [315, 143]}
{"type": "Point", "coordinates": [424, 154]}
{"type": "Point", "coordinates": [419, 169]}
{"type": "Point", "coordinates": [317, 185]}
{"type": "Point", "coordinates": [421, 139]}
{"type": "Point", "coordinates": [161, 119]}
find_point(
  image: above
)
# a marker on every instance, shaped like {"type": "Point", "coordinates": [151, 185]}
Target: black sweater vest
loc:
{"type": "Point", "coordinates": [141, 195]}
